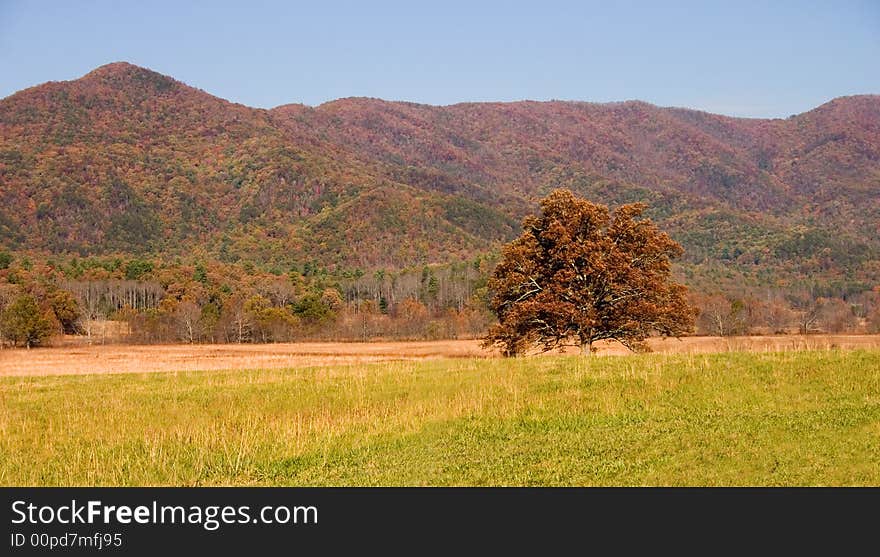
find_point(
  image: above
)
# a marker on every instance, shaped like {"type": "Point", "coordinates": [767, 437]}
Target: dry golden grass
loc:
{"type": "Point", "coordinates": [800, 417]}
{"type": "Point", "coordinates": [101, 359]}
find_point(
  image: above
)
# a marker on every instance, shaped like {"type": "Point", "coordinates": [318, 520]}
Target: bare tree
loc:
{"type": "Point", "coordinates": [807, 307]}
{"type": "Point", "coordinates": [720, 316]}
{"type": "Point", "coordinates": [236, 320]}
{"type": "Point", "coordinates": [92, 304]}
{"type": "Point", "coordinates": [186, 316]}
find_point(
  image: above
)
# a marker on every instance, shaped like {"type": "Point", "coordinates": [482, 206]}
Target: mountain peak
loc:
{"type": "Point", "coordinates": [124, 73]}
{"type": "Point", "coordinates": [115, 68]}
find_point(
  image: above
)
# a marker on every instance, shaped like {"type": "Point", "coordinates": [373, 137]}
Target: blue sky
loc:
{"type": "Point", "coordinates": [754, 59]}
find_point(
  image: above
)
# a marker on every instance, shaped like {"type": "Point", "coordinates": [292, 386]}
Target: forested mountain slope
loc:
{"type": "Point", "coordinates": [125, 160]}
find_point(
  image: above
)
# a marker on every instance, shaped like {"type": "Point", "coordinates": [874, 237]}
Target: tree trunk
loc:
{"type": "Point", "coordinates": [586, 347]}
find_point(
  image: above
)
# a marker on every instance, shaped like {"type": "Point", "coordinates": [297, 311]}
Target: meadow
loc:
{"type": "Point", "coordinates": [795, 417]}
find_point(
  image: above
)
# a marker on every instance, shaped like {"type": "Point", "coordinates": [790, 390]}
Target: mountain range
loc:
{"type": "Point", "coordinates": [128, 161]}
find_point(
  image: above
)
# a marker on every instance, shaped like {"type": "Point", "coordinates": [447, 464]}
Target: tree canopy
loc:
{"type": "Point", "coordinates": [25, 323]}
{"type": "Point", "coordinates": [579, 274]}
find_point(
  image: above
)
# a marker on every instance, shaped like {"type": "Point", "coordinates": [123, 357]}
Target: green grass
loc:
{"type": "Point", "coordinates": [791, 418]}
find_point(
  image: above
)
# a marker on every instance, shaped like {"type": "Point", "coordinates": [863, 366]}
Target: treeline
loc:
{"type": "Point", "coordinates": [801, 310]}
{"type": "Point", "coordinates": [102, 300]}
{"type": "Point", "coordinates": [145, 301]}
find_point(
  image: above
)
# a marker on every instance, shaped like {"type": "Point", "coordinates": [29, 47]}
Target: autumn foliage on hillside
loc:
{"type": "Point", "coordinates": [128, 164]}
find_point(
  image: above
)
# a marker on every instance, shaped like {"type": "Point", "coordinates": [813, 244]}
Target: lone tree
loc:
{"type": "Point", "coordinates": [578, 274]}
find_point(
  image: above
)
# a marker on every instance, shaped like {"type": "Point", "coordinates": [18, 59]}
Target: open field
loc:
{"type": "Point", "coordinates": [114, 358]}
{"type": "Point", "coordinates": [785, 418]}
